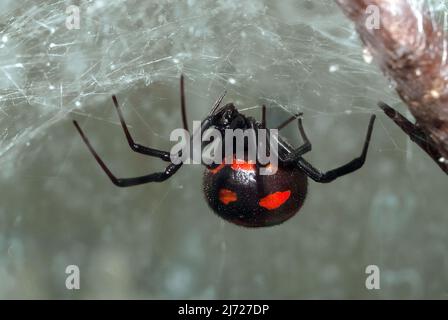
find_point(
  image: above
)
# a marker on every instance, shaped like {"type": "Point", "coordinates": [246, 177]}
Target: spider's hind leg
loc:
{"type": "Point", "coordinates": [355, 164]}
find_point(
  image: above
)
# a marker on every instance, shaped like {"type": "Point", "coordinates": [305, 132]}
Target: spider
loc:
{"type": "Point", "coordinates": [236, 191]}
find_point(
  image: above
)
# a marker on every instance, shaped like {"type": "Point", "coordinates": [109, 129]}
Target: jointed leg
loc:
{"type": "Point", "coordinates": [135, 146]}
{"type": "Point", "coordinates": [263, 116]}
{"type": "Point", "coordinates": [353, 165]}
{"type": "Point", "coordinates": [128, 182]}
{"type": "Point", "coordinates": [182, 103]}
{"type": "Point", "coordinates": [306, 146]}
{"type": "Point", "coordinates": [287, 121]}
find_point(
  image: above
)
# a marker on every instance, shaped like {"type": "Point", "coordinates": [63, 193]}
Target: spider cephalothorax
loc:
{"type": "Point", "coordinates": [236, 190]}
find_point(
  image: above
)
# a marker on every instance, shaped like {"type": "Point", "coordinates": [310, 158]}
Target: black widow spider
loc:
{"type": "Point", "coordinates": [236, 191]}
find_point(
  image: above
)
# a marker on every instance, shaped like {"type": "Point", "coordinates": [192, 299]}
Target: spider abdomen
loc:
{"type": "Point", "coordinates": [238, 193]}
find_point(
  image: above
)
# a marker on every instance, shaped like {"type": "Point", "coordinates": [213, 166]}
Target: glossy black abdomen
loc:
{"type": "Point", "coordinates": [237, 193]}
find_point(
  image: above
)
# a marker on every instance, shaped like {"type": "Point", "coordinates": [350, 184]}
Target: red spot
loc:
{"type": "Point", "coordinates": [243, 165]}
{"type": "Point", "coordinates": [274, 200]}
{"type": "Point", "coordinates": [216, 170]}
{"type": "Point", "coordinates": [226, 196]}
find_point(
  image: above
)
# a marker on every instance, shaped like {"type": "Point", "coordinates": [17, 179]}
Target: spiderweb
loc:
{"type": "Point", "coordinates": [257, 50]}
{"type": "Point", "coordinates": [290, 55]}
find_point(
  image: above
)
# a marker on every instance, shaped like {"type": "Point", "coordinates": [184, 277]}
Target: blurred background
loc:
{"type": "Point", "coordinates": [57, 207]}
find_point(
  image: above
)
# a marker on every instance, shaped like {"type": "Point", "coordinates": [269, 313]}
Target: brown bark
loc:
{"type": "Point", "coordinates": [411, 49]}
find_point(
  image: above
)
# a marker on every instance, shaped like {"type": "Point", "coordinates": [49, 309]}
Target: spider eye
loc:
{"type": "Point", "coordinates": [227, 116]}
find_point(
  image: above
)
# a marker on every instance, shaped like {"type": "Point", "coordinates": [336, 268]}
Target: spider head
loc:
{"type": "Point", "coordinates": [228, 117]}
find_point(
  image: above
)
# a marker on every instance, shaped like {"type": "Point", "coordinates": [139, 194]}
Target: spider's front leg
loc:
{"type": "Point", "coordinates": [128, 182]}
{"type": "Point", "coordinates": [146, 150]}
{"type": "Point", "coordinates": [355, 164]}
{"type": "Point", "coordinates": [164, 155]}
{"type": "Point", "coordinates": [135, 146]}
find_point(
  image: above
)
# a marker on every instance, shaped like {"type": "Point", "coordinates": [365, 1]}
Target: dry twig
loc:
{"type": "Point", "coordinates": [411, 49]}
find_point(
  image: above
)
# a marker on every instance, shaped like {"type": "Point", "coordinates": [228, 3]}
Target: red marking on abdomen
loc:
{"type": "Point", "coordinates": [236, 165]}
{"type": "Point", "coordinates": [226, 196]}
{"type": "Point", "coordinates": [243, 165]}
{"type": "Point", "coordinates": [274, 200]}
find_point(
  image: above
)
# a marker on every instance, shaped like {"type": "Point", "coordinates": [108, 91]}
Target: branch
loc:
{"type": "Point", "coordinates": [411, 49]}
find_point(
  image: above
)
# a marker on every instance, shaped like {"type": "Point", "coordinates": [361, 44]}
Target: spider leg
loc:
{"type": "Point", "coordinates": [128, 182]}
{"type": "Point", "coordinates": [281, 126]}
{"type": "Point", "coordinates": [306, 147]}
{"type": "Point", "coordinates": [355, 164]}
{"type": "Point", "coordinates": [182, 103]}
{"type": "Point", "coordinates": [287, 121]}
{"type": "Point", "coordinates": [263, 116]}
{"type": "Point", "coordinates": [135, 146]}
